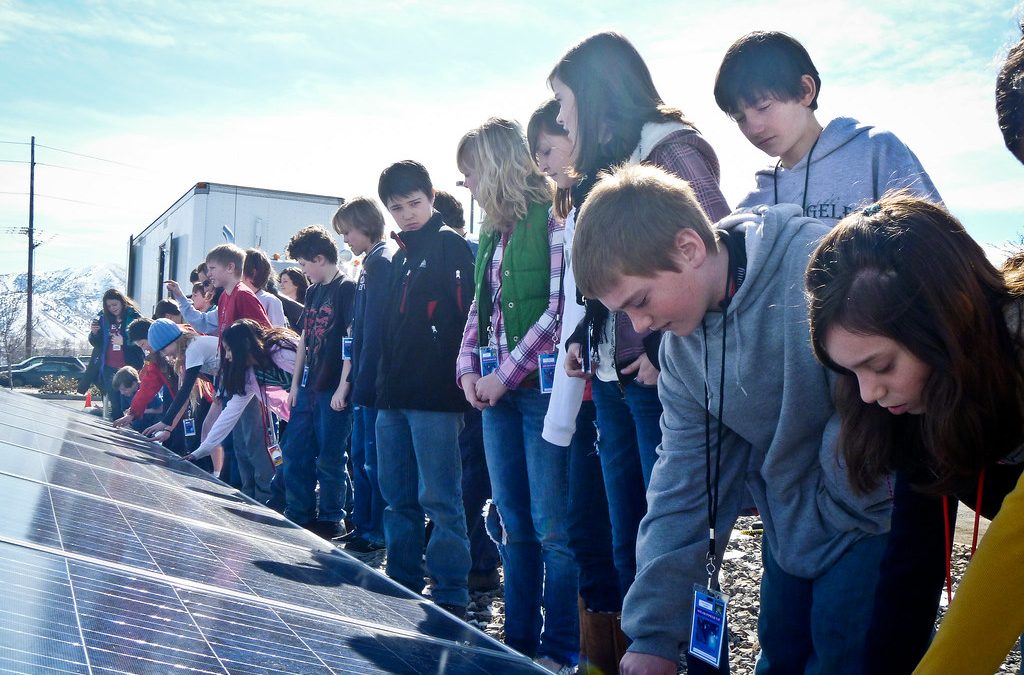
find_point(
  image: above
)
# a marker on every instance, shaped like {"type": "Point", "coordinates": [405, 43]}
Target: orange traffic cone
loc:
{"type": "Point", "coordinates": [88, 399]}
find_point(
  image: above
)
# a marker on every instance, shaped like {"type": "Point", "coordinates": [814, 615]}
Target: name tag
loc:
{"type": "Point", "coordinates": [546, 368]}
{"type": "Point", "coordinates": [346, 348]}
{"type": "Point", "coordinates": [189, 425]}
{"type": "Point", "coordinates": [488, 361]}
{"type": "Point", "coordinates": [707, 629]}
{"type": "Point", "coordinates": [305, 376]}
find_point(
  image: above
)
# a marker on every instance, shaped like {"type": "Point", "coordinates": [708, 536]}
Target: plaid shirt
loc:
{"type": "Point", "coordinates": [514, 365]}
{"type": "Point", "coordinates": [691, 158]}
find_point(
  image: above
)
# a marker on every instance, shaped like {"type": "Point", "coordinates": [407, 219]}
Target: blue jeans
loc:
{"type": "Point", "coordinates": [315, 450]}
{"type": "Point", "coordinates": [421, 472]}
{"type": "Point", "coordinates": [476, 490]}
{"type": "Point", "coordinates": [814, 626]}
{"type": "Point", "coordinates": [590, 530]}
{"type": "Point", "coordinates": [529, 522]}
{"type": "Point", "coordinates": [629, 432]}
{"type": "Point", "coordinates": [368, 504]}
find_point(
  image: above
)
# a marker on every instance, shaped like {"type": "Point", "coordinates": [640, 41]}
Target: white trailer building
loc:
{"type": "Point", "coordinates": [210, 214]}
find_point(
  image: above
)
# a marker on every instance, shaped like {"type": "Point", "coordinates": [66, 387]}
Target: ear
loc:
{"type": "Point", "coordinates": [690, 250]}
{"type": "Point", "coordinates": [809, 90]}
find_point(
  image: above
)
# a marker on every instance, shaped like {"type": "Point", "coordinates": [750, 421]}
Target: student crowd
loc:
{"type": "Point", "coordinates": [621, 366]}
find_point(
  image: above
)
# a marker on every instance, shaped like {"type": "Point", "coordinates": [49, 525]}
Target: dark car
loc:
{"type": "Point", "coordinates": [73, 360]}
{"type": "Point", "coordinates": [32, 375]}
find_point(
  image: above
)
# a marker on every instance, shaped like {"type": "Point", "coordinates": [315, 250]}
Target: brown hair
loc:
{"type": "Point", "coordinates": [360, 213]}
{"type": "Point", "coordinates": [125, 377]}
{"type": "Point", "coordinates": [615, 96]}
{"type": "Point", "coordinates": [311, 241]}
{"type": "Point", "coordinates": [256, 267]}
{"type": "Point", "coordinates": [227, 254]}
{"type": "Point", "coordinates": [628, 226]}
{"type": "Point", "coordinates": [544, 120]}
{"type": "Point", "coordinates": [126, 303]}
{"type": "Point", "coordinates": [907, 270]}
{"type": "Point", "coordinates": [299, 280]}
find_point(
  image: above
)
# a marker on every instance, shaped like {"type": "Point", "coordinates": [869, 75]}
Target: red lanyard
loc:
{"type": "Point", "coordinates": [949, 534]}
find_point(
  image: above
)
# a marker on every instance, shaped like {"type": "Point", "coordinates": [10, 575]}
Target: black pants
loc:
{"type": "Point", "coordinates": [913, 572]}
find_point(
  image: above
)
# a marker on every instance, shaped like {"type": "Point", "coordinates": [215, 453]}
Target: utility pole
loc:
{"type": "Point", "coordinates": [31, 248]}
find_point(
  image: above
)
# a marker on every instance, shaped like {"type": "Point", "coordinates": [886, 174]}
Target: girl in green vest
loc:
{"type": "Point", "coordinates": [511, 330]}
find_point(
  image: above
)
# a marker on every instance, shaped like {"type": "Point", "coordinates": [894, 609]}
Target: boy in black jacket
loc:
{"type": "Point", "coordinates": [420, 406]}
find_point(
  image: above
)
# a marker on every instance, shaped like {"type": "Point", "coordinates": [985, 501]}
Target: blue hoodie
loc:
{"type": "Point", "coordinates": [852, 165]}
{"type": "Point", "coordinates": [779, 443]}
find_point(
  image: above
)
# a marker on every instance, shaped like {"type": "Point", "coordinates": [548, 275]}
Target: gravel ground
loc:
{"type": "Point", "coordinates": [741, 579]}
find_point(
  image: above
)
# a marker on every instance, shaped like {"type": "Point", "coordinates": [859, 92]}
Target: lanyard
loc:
{"type": "Point", "coordinates": [807, 177]}
{"type": "Point", "coordinates": [711, 482]}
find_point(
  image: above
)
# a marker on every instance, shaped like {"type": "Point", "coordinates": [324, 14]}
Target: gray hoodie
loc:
{"type": "Point", "coordinates": [852, 165]}
{"type": "Point", "coordinates": [779, 439]}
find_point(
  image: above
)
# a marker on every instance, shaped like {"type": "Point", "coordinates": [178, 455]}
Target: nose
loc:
{"type": "Point", "coordinates": [640, 321]}
{"type": "Point", "coordinates": [871, 391]}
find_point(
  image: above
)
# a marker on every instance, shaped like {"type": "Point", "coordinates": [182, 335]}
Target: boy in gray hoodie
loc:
{"type": "Point", "coordinates": [768, 84]}
{"type": "Point", "coordinates": [747, 410]}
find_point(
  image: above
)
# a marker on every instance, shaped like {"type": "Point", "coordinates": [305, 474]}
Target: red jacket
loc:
{"type": "Point", "coordinates": [240, 303]}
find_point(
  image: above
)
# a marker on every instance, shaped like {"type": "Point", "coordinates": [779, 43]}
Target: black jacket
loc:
{"type": "Point", "coordinates": [372, 291]}
{"type": "Point", "coordinates": [430, 292]}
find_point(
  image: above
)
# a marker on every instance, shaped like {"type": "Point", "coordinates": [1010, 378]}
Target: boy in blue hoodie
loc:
{"type": "Point", "coordinates": [747, 411]}
{"type": "Point", "coordinates": [768, 84]}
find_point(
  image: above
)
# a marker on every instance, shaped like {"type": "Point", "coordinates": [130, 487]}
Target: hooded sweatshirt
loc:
{"type": "Point", "coordinates": [675, 147]}
{"type": "Point", "coordinates": [779, 439]}
{"type": "Point", "coordinates": [852, 165]}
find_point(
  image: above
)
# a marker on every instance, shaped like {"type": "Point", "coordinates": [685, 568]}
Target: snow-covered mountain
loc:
{"type": "Point", "coordinates": [65, 301]}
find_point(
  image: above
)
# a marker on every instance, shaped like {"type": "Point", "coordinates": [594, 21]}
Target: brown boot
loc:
{"type": "Point", "coordinates": [602, 642]}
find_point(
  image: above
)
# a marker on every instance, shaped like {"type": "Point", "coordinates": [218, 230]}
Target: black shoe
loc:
{"type": "Point", "coordinates": [361, 545]}
{"type": "Point", "coordinates": [484, 582]}
{"type": "Point", "coordinates": [458, 611]}
{"type": "Point", "coordinates": [326, 529]}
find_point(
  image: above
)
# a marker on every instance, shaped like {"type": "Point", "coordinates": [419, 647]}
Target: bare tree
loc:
{"type": "Point", "coordinates": [12, 329]}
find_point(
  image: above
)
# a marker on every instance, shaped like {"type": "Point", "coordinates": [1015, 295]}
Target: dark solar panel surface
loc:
{"type": "Point", "coordinates": [117, 557]}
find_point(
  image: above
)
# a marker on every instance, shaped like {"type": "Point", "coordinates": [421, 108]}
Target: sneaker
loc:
{"type": "Point", "coordinates": [553, 666]}
{"type": "Point", "coordinates": [362, 545]}
{"type": "Point", "coordinates": [458, 611]}
{"type": "Point", "coordinates": [484, 582]}
{"type": "Point", "coordinates": [326, 529]}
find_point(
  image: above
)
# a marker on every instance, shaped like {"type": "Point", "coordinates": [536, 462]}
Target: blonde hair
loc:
{"type": "Point", "coordinates": [628, 227]}
{"type": "Point", "coordinates": [509, 180]}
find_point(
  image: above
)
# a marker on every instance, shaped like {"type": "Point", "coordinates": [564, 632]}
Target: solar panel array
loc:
{"type": "Point", "coordinates": [118, 557]}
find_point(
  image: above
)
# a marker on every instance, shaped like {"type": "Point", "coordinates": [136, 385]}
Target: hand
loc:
{"type": "Point", "coordinates": [161, 436]}
{"type": "Point", "coordinates": [117, 339]}
{"type": "Point", "coordinates": [574, 362]}
{"type": "Point", "coordinates": [338, 401]}
{"type": "Point", "coordinates": [489, 390]}
{"type": "Point", "coordinates": [634, 663]}
{"type": "Point", "coordinates": [95, 328]}
{"type": "Point", "coordinates": [159, 426]}
{"type": "Point", "coordinates": [468, 382]}
{"type": "Point", "coordinates": [645, 371]}
{"type": "Point", "coordinates": [173, 288]}
{"type": "Point", "coordinates": [124, 421]}
{"type": "Point", "coordinates": [190, 457]}
{"type": "Point", "coordinates": [293, 397]}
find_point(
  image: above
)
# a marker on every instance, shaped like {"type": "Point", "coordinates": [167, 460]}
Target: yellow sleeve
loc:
{"type": "Point", "coordinates": [987, 613]}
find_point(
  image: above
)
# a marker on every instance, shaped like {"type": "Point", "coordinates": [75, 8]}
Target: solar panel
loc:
{"type": "Point", "coordinates": [116, 556]}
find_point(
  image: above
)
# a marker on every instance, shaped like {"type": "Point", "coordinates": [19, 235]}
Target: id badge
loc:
{"type": "Point", "coordinates": [346, 348]}
{"type": "Point", "coordinates": [707, 631]}
{"type": "Point", "coordinates": [189, 425]}
{"type": "Point", "coordinates": [275, 454]}
{"type": "Point", "coordinates": [488, 360]}
{"type": "Point", "coordinates": [546, 368]}
{"type": "Point", "coordinates": [115, 347]}
{"type": "Point", "coordinates": [305, 376]}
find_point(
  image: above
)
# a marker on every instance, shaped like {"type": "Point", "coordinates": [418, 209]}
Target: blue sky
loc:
{"type": "Point", "coordinates": [320, 96]}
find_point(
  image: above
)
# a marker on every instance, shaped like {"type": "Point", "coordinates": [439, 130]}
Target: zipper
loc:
{"type": "Point", "coordinates": [433, 331]}
{"type": "Point", "coordinates": [405, 292]}
{"type": "Point", "coordinates": [458, 288]}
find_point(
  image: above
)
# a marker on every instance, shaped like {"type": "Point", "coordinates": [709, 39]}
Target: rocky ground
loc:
{"type": "Point", "coordinates": [741, 579]}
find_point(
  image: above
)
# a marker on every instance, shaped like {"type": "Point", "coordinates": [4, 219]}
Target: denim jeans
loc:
{"type": "Point", "coordinates": [814, 626]}
{"type": "Point", "coordinates": [629, 432]}
{"type": "Point", "coordinates": [530, 494]}
{"type": "Point", "coordinates": [367, 502]}
{"type": "Point", "coordinates": [476, 490]}
{"type": "Point", "coordinates": [420, 471]}
{"type": "Point", "coordinates": [590, 530]}
{"type": "Point", "coordinates": [315, 450]}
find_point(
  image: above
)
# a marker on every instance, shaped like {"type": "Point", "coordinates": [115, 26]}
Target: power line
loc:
{"type": "Point", "coordinates": [14, 143]}
{"type": "Point", "coordinates": [99, 159]}
{"type": "Point", "coordinates": [62, 199]}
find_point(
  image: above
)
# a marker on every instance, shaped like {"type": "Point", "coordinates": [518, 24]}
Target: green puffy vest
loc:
{"type": "Point", "coordinates": [525, 276]}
